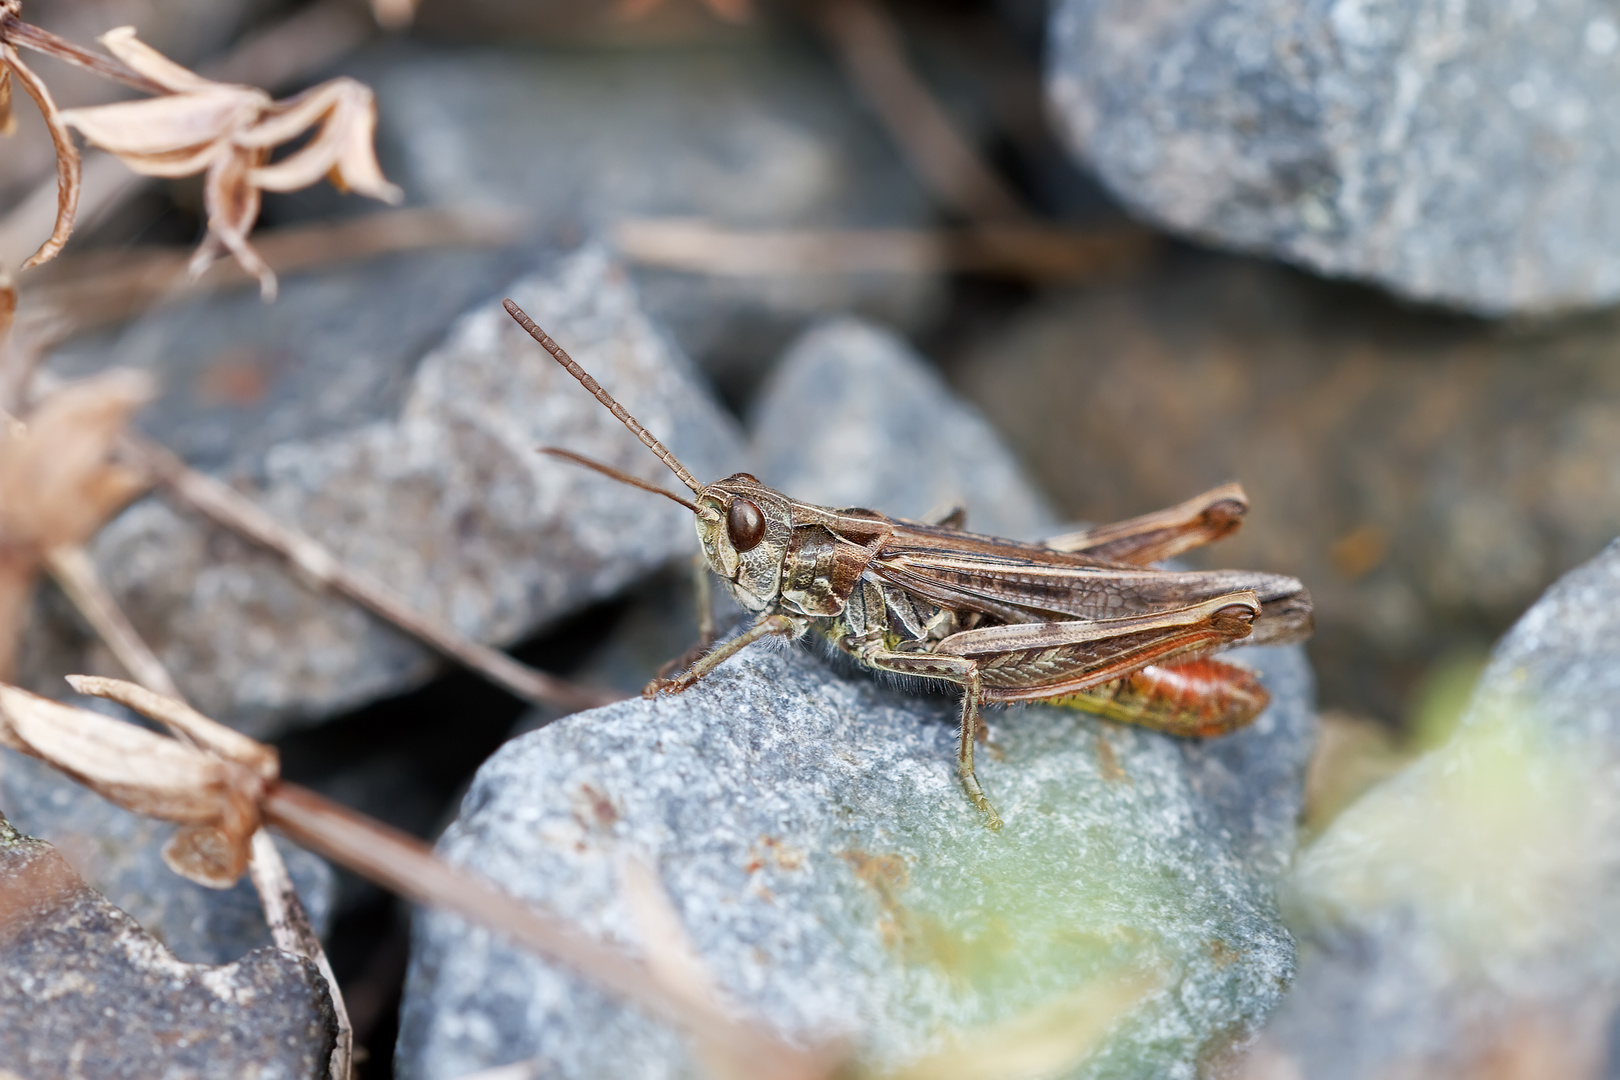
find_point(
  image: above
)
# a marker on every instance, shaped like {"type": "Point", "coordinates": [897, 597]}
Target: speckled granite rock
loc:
{"type": "Point", "coordinates": [447, 501]}
{"type": "Point", "coordinates": [759, 132]}
{"type": "Point", "coordinates": [852, 416]}
{"type": "Point", "coordinates": [1455, 153]}
{"type": "Point", "coordinates": [813, 836]}
{"type": "Point", "coordinates": [84, 991]}
{"type": "Point", "coordinates": [1462, 916]}
{"type": "Point", "coordinates": [119, 855]}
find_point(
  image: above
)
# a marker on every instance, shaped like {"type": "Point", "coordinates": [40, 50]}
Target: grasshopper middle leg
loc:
{"type": "Point", "coordinates": [964, 673]}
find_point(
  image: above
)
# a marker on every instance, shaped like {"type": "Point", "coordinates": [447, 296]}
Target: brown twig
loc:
{"type": "Point", "coordinates": [870, 46]}
{"type": "Point", "coordinates": [223, 504]}
{"type": "Point", "coordinates": [1033, 252]}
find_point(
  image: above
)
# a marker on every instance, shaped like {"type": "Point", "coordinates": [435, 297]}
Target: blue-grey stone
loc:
{"type": "Point", "coordinates": [1458, 153]}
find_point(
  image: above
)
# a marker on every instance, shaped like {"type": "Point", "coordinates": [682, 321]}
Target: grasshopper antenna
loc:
{"type": "Point", "coordinates": [621, 477]}
{"type": "Point", "coordinates": [605, 398]}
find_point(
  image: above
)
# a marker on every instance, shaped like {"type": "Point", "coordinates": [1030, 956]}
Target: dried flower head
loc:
{"type": "Point", "coordinates": [213, 798]}
{"type": "Point", "coordinates": [227, 132]}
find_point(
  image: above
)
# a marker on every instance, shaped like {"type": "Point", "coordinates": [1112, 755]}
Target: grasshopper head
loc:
{"type": "Point", "coordinates": [744, 525]}
{"type": "Point", "coordinates": [744, 528]}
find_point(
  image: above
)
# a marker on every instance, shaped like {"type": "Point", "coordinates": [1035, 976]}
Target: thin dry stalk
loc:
{"type": "Point", "coordinates": [81, 292]}
{"type": "Point", "coordinates": [76, 574]}
{"type": "Point", "coordinates": [1031, 252]}
{"type": "Point", "coordinates": [223, 504]}
{"type": "Point", "coordinates": [873, 53]}
{"type": "Point", "coordinates": [735, 11]}
{"type": "Point", "coordinates": [292, 932]}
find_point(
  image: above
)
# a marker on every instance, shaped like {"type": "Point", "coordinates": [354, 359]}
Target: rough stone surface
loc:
{"type": "Point", "coordinates": [445, 499]}
{"type": "Point", "coordinates": [119, 855]}
{"type": "Point", "coordinates": [1455, 153]}
{"type": "Point", "coordinates": [756, 133]}
{"type": "Point", "coordinates": [1463, 914]}
{"type": "Point", "coordinates": [852, 416]}
{"type": "Point", "coordinates": [1427, 476]}
{"type": "Point", "coordinates": [812, 835]}
{"type": "Point", "coordinates": [86, 992]}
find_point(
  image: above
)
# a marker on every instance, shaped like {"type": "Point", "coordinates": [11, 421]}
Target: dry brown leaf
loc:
{"type": "Point", "coordinates": [58, 478]}
{"type": "Point", "coordinates": [228, 132]}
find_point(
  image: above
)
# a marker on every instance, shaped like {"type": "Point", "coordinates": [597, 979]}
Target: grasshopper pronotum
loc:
{"type": "Point", "coordinates": [1079, 620]}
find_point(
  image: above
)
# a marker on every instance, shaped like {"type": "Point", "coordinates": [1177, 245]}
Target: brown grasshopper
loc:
{"type": "Point", "coordinates": [1080, 620]}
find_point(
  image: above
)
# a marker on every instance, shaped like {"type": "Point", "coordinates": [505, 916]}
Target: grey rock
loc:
{"type": "Point", "coordinates": [852, 416]}
{"type": "Point", "coordinates": [85, 992]}
{"type": "Point", "coordinates": [759, 133]}
{"type": "Point", "coordinates": [444, 498]}
{"type": "Point", "coordinates": [1454, 153]}
{"type": "Point", "coordinates": [813, 837]}
{"type": "Point", "coordinates": [1464, 911]}
{"type": "Point", "coordinates": [119, 855]}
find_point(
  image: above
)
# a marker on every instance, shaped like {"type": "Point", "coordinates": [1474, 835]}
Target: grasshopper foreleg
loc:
{"type": "Point", "coordinates": [964, 673]}
{"type": "Point", "coordinates": [764, 627]}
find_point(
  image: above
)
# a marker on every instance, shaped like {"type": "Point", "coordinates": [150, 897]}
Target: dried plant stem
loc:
{"type": "Point", "coordinates": [870, 47]}
{"type": "Point", "coordinates": [223, 504]}
{"type": "Point", "coordinates": [292, 932]}
{"type": "Point", "coordinates": [1031, 252]}
{"type": "Point", "coordinates": [76, 574]}
{"type": "Point", "coordinates": [406, 866]}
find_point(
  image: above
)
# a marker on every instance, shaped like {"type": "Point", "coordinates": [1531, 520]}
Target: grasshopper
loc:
{"type": "Point", "coordinates": [1081, 620]}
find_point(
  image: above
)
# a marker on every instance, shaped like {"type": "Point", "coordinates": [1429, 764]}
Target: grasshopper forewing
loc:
{"type": "Point", "coordinates": [1079, 620]}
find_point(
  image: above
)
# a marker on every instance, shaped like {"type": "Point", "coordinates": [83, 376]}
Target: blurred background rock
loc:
{"type": "Point", "coordinates": [1427, 470]}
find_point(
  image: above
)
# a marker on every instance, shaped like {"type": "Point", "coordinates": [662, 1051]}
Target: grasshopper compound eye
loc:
{"type": "Point", "coordinates": [745, 525]}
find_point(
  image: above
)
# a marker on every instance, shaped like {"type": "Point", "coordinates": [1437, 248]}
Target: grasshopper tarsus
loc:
{"type": "Point", "coordinates": [1082, 620]}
